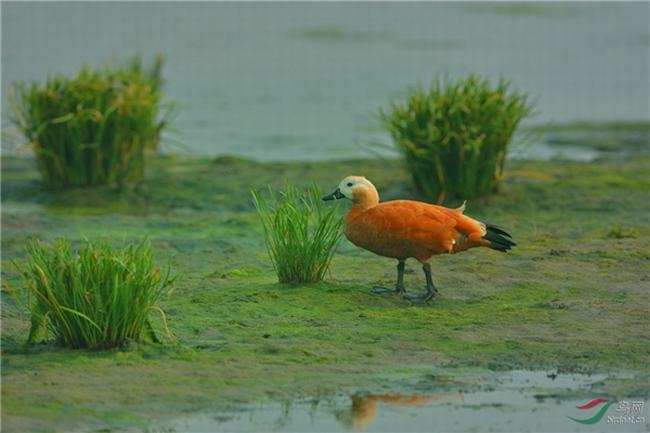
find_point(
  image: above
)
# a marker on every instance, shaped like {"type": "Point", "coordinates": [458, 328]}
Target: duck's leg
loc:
{"type": "Point", "coordinates": [399, 287]}
{"type": "Point", "coordinates": [431, 289]}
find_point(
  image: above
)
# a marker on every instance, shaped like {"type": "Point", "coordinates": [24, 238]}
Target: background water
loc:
{"type": "Point", "coordinates": [279, 81]}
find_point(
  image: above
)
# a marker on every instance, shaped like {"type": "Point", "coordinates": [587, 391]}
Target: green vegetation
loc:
{"type": "Point", "coordinates": [301, 233]}
{"type": "Point", "coordinates": [94, 128]}
{"type": "Point", "coordinates": [526, 9]}
{"type": "Point", "coordinates": [571, 297]}
{"type": "Point", "coordinates": [96, 298]}
{"type": "Point", "coordinates": [334, 33]}
{"type": "Point", "coordinates": [454, 136]}
{"type": "Point", "coordinates": [617, 139]}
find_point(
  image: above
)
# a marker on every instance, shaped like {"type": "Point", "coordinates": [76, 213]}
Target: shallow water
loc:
{"type": "Point", "coordinates": [300, 81]}
{"type": "Point", "coordinates": [507, 402]}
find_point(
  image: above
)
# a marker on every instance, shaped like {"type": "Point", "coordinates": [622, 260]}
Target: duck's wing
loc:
{"type": "Point", "coordinates": [406, 225]}
{"type": "Point", "coordinates": [465, 225]}
{"type": "Point", "coordinates": [438, 226]}
{"type": "Point", "coordinates": [412, 215]}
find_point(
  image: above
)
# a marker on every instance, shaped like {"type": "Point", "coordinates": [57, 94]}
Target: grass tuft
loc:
{"type": "Point", "coordinates": [300, 232]}
{"type": "Point", "coordinates": [454, 136]}
{"type": "Point", "coordinates": [97, 298]}
{"type": "Point", "coordinates": [93, 128]}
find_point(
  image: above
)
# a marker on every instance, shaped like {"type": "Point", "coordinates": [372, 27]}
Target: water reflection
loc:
{"type": "Point", "coordinates": [506, 401]}
{"type": "Point", "coordinates": [363, 410]}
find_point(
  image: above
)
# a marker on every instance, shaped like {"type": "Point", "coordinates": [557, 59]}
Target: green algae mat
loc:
{"type": "Point", "coordinates": [572, 297]}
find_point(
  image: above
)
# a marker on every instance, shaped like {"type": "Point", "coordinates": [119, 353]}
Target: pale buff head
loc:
{"type": "Point", "coordinates": [358, 189]}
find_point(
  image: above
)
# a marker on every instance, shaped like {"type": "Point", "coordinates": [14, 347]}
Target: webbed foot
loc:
{"type": "Point", "coordinates": [383, 291]}
{"type": "Point", "coordinates": [399, 287]}
{"type": "Point", "coordinates": [431, 289]}
{"type": "Point", "coordinates": [422, 299]}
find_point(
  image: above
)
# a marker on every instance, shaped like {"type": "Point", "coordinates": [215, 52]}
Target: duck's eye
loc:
{"type": "Point", "coordinates": [349, 183]}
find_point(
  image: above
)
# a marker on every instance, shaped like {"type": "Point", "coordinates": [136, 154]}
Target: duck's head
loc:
{"type": "Point", "coordinates": [358, 189]}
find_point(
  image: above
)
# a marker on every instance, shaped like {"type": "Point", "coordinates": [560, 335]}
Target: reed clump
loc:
{"type": "Point", "coordinates": [93, 128]}
{"type": "Point", "coordinates": [98, 297]}
{"type": "Point", "coordinates": [300, 232]}
{"type": "Point", "coordinates": [454, 136]}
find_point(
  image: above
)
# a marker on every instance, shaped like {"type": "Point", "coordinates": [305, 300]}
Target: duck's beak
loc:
{"type": "Point", "coordinates": [336, 195]}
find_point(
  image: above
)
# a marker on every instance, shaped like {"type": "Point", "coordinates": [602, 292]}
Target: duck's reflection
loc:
{"type": "Point", "coordinates": [363, 409]}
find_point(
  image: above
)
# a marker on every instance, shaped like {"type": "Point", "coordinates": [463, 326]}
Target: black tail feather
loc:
{"type": "Point", "coordinates": [500, 240]}
{"type": "Point", "coordinates": [495, 228]}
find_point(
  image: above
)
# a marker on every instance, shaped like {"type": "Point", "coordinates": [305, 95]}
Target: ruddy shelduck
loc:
{"type": "Point", "coordinates": [403, 229]}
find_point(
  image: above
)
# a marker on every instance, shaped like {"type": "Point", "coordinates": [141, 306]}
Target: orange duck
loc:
{"type": "Point", "coordinates": [402, 229]}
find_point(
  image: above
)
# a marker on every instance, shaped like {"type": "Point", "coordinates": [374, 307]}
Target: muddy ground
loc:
{"type": "Point", "coordinates": [571, 298]}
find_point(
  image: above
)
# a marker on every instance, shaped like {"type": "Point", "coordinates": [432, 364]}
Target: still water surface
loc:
{"type": "Point", "coordinates": [510, 402]}
{"type": "Point", "coordinates": [280, 81]}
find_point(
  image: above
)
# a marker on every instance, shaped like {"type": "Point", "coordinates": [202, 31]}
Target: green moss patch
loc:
{"type": "Point", "coordinates": [570, 297]}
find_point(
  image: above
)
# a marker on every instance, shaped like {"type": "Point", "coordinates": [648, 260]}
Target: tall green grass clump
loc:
{"type": "Point", "coordinates": [454, 136]}
{"type": "Point", "coordinates": [98, 297]}
{"type": "Point", "coordinates": [93, 128]}
{"type": "Point", "coordinates": [300, 232]}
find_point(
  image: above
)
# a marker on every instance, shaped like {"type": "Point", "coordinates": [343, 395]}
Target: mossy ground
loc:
{"type": "Point", "coordinates": [571, 297]}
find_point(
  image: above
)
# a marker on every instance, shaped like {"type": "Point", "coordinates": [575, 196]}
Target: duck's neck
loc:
{"type": "Point", "coordinates": [365, 199]}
